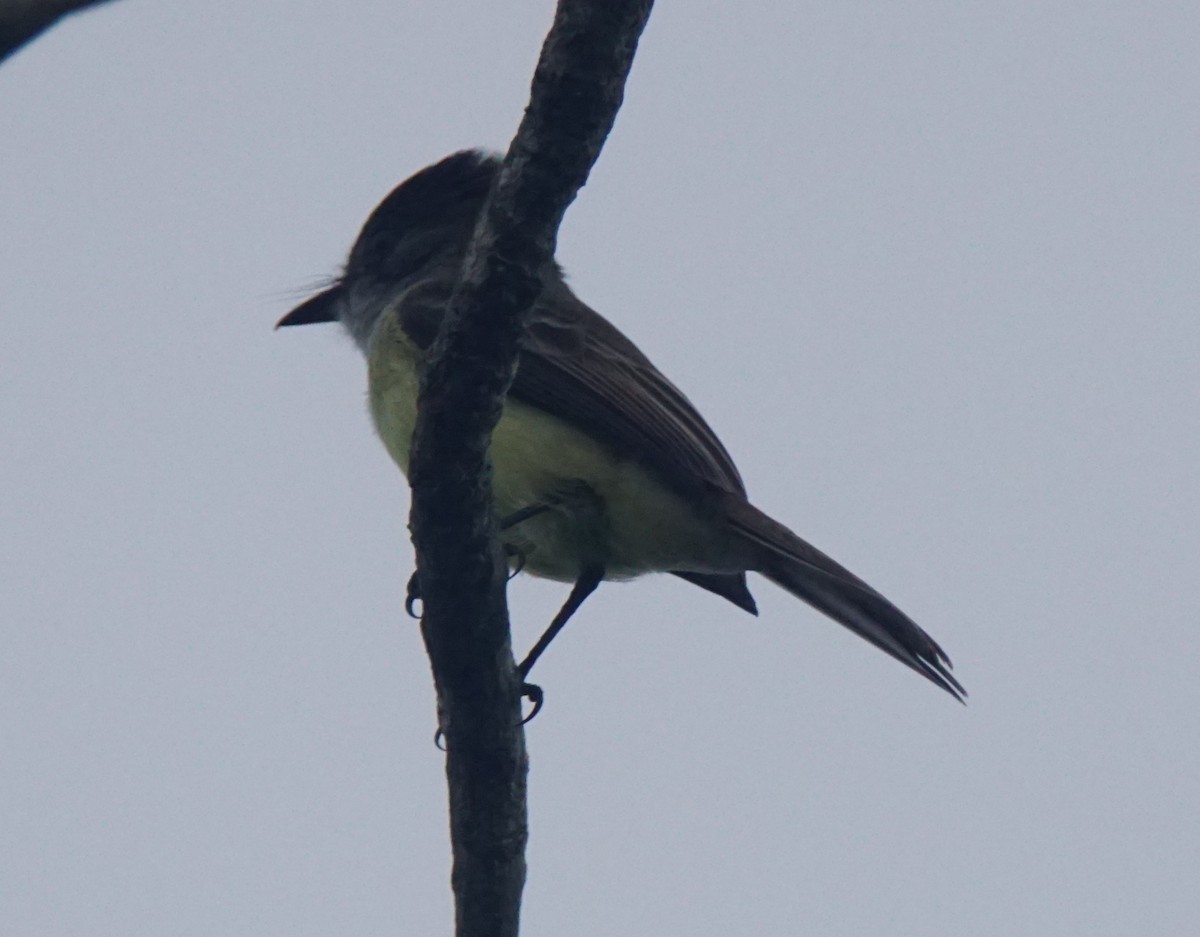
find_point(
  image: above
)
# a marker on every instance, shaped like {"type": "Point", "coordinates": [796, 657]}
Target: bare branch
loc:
{"type": "Point", "coordinates": [23, 20]}
{"type": "Point", "coordinates": [577, 89]}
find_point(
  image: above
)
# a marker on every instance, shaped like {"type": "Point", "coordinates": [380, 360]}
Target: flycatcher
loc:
{"type": "Point", "coordinates": [602, 468]}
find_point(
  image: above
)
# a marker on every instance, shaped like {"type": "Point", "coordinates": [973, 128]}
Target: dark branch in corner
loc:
{"type": "Point", "coordinates": [577, 89]}
{"type": "Point", "coordinates": [24, 20]}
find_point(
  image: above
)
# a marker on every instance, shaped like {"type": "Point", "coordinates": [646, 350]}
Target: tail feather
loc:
{"type": "Point", "coordinates": [809, 574]}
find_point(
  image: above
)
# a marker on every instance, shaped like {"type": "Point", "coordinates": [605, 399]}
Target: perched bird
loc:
{"type": "Point", "coordinates": [602, 468]}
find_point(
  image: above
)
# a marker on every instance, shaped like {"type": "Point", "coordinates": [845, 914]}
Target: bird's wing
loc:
{"type": "Point", "coordinates": [575, 365]}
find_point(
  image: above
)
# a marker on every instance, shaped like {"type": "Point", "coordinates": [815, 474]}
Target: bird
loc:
{"type": "Point", "coordinates": [602, 469]}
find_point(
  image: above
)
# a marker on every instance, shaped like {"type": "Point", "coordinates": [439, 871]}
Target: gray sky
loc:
{"type": "Point", "coordinates": [946, 256]}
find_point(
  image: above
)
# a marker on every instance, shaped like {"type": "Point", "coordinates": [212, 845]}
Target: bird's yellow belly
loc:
{"type": "Point", "coordinates": [602, 510]}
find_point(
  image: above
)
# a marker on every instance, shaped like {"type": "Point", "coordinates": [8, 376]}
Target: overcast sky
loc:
{"type": "Point", "coordinates": [930, 269]}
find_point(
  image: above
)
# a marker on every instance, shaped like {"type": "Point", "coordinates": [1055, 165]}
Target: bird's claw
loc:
{"type": "Point", "coordinates": [529, 691]}
{"type": "Point", "coordinates": [533, 693]}
{"type": "Point", "coordinates": [413, 595]}
{"type": "Point", "coordinates": [521, 556]}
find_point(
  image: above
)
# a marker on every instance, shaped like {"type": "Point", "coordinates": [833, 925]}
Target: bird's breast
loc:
{"type": "Point", "coordinates": [602, 508]}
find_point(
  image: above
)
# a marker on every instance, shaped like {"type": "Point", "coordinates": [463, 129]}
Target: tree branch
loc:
{"type": "Point", "coordinates": [23, 20]}
{"type": "Point", "coordinates": [576, 91]}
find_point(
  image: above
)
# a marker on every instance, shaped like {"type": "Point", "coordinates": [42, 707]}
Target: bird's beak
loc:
{"type": "Point", "coordinates": [319, 308]}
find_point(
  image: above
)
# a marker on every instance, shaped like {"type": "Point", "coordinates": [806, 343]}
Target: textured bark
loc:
{"type": "Point", "coordinates": [22, 20]}
{"type": "Point", "coordinates": [577, 89]}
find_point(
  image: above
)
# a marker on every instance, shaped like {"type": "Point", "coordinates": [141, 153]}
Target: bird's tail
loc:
{"type": "Point", "coordinates": [809, 574]}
